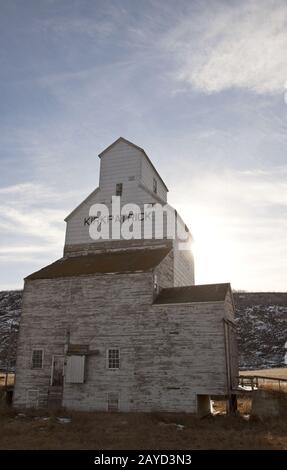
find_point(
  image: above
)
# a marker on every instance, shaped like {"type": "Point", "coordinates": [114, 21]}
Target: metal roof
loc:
{"type": "Point", "coordinates": [190, 294]}
{"type": "Point", "coordinates": [104, 262]}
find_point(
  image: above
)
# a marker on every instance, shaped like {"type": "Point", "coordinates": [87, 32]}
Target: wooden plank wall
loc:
{"type": "Point", "coordinates": [168, 353]}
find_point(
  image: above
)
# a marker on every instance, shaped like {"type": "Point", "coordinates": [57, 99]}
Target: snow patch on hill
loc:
{"type": "Point", "coordinates": [10, 312]}
{"type": "Point", "coordinates": [261, 320]}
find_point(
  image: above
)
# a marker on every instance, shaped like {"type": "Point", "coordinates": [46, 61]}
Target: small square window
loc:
{"type": "Point", "coordinates": [119, 189]}
{"type": "Point", "coordinates": [154, 185]}
{"type": "Point", "coordinates": [113, 358]}
{"type": "Point", "coordinates": [37, 359]}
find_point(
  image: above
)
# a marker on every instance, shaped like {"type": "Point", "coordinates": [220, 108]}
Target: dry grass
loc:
{"type": "Point", "coordinates": [273, 386]}
{"type": "Point", "coordinates": [243, 405]}
{"type": "Point", "coordinates": [97, 430]}
{"type": "Point", "coordinates": [266, 375]}
{"type": "Point", "coordinates": [278, 372]}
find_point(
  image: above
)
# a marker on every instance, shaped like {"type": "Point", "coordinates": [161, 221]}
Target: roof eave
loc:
{"type": "Point", "coordinates": [81, 204]}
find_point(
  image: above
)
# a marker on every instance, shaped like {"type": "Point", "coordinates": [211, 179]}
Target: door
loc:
{"type": "Point", "coordinates": [57, 377]}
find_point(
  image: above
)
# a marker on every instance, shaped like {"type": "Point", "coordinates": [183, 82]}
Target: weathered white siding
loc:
{"type": "Point", "coordinates": [77, 232]}
{"type": "Point", "coordinates": [183, 267]}
{"type": "Point", "coordinates": [118, 165]}
{"type": "Point", "coordinates": [125, 164]}
{"type": "Point", "coordinates": [44, 323]}
{"type": "Point", "coordinates": [148, 174]}
{"type": "Point", "coordinates": [164, 272]}
{"type": "Point", "coordinates": [168, 353]}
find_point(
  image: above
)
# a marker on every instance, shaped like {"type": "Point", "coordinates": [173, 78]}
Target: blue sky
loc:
{"type": "Point", "coordinates": [199, 84]}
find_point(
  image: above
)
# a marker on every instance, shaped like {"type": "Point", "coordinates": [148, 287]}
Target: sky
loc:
{"type": "Point", "coordinates": [200, 85]}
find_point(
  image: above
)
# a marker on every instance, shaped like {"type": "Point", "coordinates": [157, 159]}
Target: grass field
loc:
{"type": "Point", "coordinates": [278, 372]}
{"type": "Point", "coordinates": [95, 430]}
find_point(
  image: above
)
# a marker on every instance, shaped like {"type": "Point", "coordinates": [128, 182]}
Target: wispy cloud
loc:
{"type": "Point", "coordinates": [39, 223]}
{"type": "Point", "coordinates": [84, 25]}
{"type": "Point", "coordinates": [227, 45]}
{"type": "Point", "coordinates": [29, 228]}
{"type": "Point", "coordinates": [22, 249]}
{"type": "Point", "coordinates": [33, 254]}
{"type": "Point", "coordinates": [27, 194]}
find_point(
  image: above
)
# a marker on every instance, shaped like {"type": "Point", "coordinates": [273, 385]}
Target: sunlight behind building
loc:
{"type": "Point", "coordinates": [216, 253]}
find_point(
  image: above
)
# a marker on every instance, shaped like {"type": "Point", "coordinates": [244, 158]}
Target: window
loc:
{"type": "Point", "coordinates": [154, 185]}
{"type": "Point", "coordinates": [113, 358]}
{"type": "Point", "coordinates": [113, 401]}
{"type": "Point", "coordinates": [119, 189]}
{"type": "Point", "coordinates": [37, 359]}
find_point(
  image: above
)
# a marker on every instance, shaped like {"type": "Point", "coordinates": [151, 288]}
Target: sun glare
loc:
{"type": "Point", "coordinates": [211, 249]}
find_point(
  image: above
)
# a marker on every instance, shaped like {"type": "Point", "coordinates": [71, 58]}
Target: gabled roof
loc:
{"type": "Point", "coordinates": [102, 263]}
{"type": "Point", "coordinates": [190, 294]}
{"type": "Point", "coordinates": [125, 141]}
{"type": "Point", "coordinates": [122, 139]}
{"type": "Point", "coordinates": [82, 203]}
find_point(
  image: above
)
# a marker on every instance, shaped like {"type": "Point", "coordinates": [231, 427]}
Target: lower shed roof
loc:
{"type": "Point", "coordinates": [189, 294]}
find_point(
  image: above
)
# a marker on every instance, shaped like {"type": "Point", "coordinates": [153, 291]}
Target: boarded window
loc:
{"type": "Point", "coordinates": [154, 185]}
{"type": "Point", "coordinates": [119, 189]}
{"type": "Point", "coordinates": [32, 399]}
{"type": "Point", "coordinates": [75, 370]}
{"type": "Point", "coordinates": [113, 358]}
{"type": "Point", "coordinates": [113, 401]}
{"type": "Point", "coordinates": [37, 358]}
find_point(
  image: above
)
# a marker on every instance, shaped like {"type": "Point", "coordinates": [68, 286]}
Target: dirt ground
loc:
{"type": "Point", "coordinates": [95, 430]}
